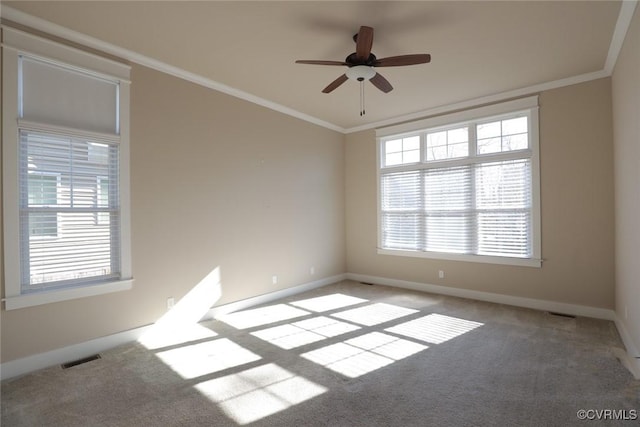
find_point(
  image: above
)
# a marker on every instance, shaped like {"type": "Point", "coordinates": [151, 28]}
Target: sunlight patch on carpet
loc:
{"type": "Point", "coordinates": [434, 328]}
{"type": "Point", "coordinates": [165, 336]}
{"type": "Point", "coordinates": [258, 392]}
{"type": "Point", "coordinates": [206, 358]}
{"type": "Point", "coordinates": [304, 332]}
{"type": "Point", "coordinates": [328, 302]}
{"type": "Point", "coordinates": [262, 316]}
{"type": "Point", "coordinates": [374, 314]}
{"type": "Point", "coordinates": [363, 354]}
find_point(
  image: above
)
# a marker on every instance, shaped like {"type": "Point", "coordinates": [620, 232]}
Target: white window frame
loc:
{"type": "Point", "coordinates": [447, 121]}
{"type": "Point", "coordinates": [14, 44]}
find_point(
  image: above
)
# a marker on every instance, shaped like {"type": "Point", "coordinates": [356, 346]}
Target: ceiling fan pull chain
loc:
{"type": "Point", "coordinates": [362, 112]}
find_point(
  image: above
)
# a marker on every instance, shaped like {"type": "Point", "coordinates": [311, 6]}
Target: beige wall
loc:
{"type": "Point", "coordinates": [626, 131]}
{"type": "Point", "coordinates": [216, 183]}
{"type": "Point", "coordinates": [577, 210]}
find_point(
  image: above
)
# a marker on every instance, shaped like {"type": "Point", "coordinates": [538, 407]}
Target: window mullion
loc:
{"type": "Point", "coordinates": [473, 150]}
{"type": "Point", "coordinates": [423, 208]}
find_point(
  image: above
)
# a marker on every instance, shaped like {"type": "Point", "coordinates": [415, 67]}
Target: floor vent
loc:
{"type": "Point", "coordinates": [569, 316]}
{"type": "Point", "coordinates": [80, 361]}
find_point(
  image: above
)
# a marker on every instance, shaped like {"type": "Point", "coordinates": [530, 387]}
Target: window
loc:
{"type": "Point", "coordinates": [463, 186]}
{"type": "Point", "coordinates": [65, 161]}
{"type": "Point", "coordinates": [42, 194]}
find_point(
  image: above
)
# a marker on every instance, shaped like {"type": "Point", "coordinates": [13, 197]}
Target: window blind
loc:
{"type": "Point", "coordinates": [59, 95]}
{"type": "Point", "coordinates": [69, 213]}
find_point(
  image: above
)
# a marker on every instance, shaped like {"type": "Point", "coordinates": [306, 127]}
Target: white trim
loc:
{"type": "Point", "coordinates": [15, 42]}
{"type": "Point", "coordinates": [484, 259]}
{"type": "Point", "coordinates": [40, 47]}
{"type": "Point", "coordinates": [632, 348]}
{"type": "Point", "coordinates": [451, 120]}
{"type": "Point", "coordinates": [94, 43]}
{"type": "Point", "coordinates": [536, 304]}
{"type": "Point", "coordinates": [10, 172]}
{"type": "Point", "coordinates": [57, 295]}
{"type": "Point", "coordinates": [272, 296]}
{"type": "Point", "coordinates": [622, 25]}
{"type": "Point", "coordinates": [66, 131]}
{"type": "Point", "coordinates": [630, 357]}
{"type": "Point", "coordinates": [628, 361]}
{"type": "Point", "coordinates": [619, 34]}
{"type": "Point", "coordinates": [35, 362]}
{"type": "Point", "coordinates": [489, 99]}
{"type": "Point", "coordinates": [525, 107]}
{"type": "Point", "coordinates": [58, 356]}
{"type": "Point", "coordinates": [38, 361]}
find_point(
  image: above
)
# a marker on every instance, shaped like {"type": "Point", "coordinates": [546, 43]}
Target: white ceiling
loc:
{"type": "Point", "coordinates": [478, 48]}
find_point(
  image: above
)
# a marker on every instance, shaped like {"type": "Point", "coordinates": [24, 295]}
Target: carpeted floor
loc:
{"type": "Point", "coordinates": [348, 354]}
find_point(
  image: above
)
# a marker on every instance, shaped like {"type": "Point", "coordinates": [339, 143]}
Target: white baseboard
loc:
{"type": "Point", "coordinates": [536, 304]}
{"type": "Point", "coordinates": [272, 296]}
{"type": "Point", "coordinates": [58, 356]}
{"type": "Point", "coordinates": [630, 359]}
{"type": "Point", "coordinates": [32, 363]}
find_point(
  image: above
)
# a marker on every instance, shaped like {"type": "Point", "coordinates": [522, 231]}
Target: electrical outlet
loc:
{"type": "Point", "coordinates": [312, 271]}
{"type": "Point", "coordinates": [274, 280]}
{"type": "Point", "coordinates": [170, 303]}
{"type": "Point", "coordinates": [441, 274]}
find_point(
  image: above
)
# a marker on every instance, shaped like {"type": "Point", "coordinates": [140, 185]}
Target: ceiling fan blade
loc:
{"type": "Point", "coordinates": [313, 62]}
{"type": "Point", "coordinates": [381, 83]}
{"type": "Point", "coordinates": [364, 42]}
{"type": "Point", "coordinates": [334, 84]}
{"type": "Point", "coordinates": [397, 61]}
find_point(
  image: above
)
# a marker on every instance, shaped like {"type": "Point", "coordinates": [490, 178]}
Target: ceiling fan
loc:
{"type": "Point", "coordinates": [361, 63]}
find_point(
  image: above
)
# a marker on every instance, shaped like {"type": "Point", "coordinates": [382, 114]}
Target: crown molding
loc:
{"type": "Point", "coordinates": [48, 27]}
{"type": "Point", "coordinates": [625, 15]}
{"type": "Point", "coordinates": [619, 34]}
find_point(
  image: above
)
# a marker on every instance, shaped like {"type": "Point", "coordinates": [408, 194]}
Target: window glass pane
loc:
{"type": "Point", "coordinates": [491, 145]}
{"type": "Point", "coordinates": [42, 193]}
{"type": "Point", "coordinates": [436, 139]}
{"type": "Point", "coordinates": [458, 150]}
{"type": "Point", "coordinates": [456, 136]}
{"type": "Point", "coordinates": [411, 143]}
{"type": "Point", "coordinates": [513, 126]}
{"type": "Point", "coordinates": [448, 233]}
{"type": "Point", "coordinates": [515, 142]}
{"type": "Point", "coordinates": [448, 144]}
{"type": "Point", "coordinates": [447, 189]}
{"type": "Point", "coordinates": [70, 196]}
{"type": "Point", "coordinates": [402, 151]}
{"type": "Point", "coordinates": [401, 191]}
{"type": "Point", "coordinates": [489, 130]}
{"type": "Point", "coordinates": [412, 156]}
{"type": "Point", "coordinates": [504, 233]}
{"type": "Point", "coordinates": [437, 153]}
{"type": "Point", "coordinates": [504, 185]}
{"type": "Point", "coordinates": [393, 159]}
{"type": "Point", "coordinates": [401, 231]}
{"type": "Point", "coordinates": [394, 146]}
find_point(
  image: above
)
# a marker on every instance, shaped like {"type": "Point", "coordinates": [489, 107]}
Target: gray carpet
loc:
{"type": "Point", "coordinates": [346, 355]}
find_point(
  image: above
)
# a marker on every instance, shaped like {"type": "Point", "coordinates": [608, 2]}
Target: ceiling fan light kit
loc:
{"type": "Point", "coordinates": [360, 72]}
{"type": "Point", "coordinates": [361, 65]}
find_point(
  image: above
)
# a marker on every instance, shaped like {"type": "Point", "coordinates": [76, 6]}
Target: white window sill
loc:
{"type": "Point", "coordinates": [523, 262]}
{"type": "Point", "coordinates": [40, 298]}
